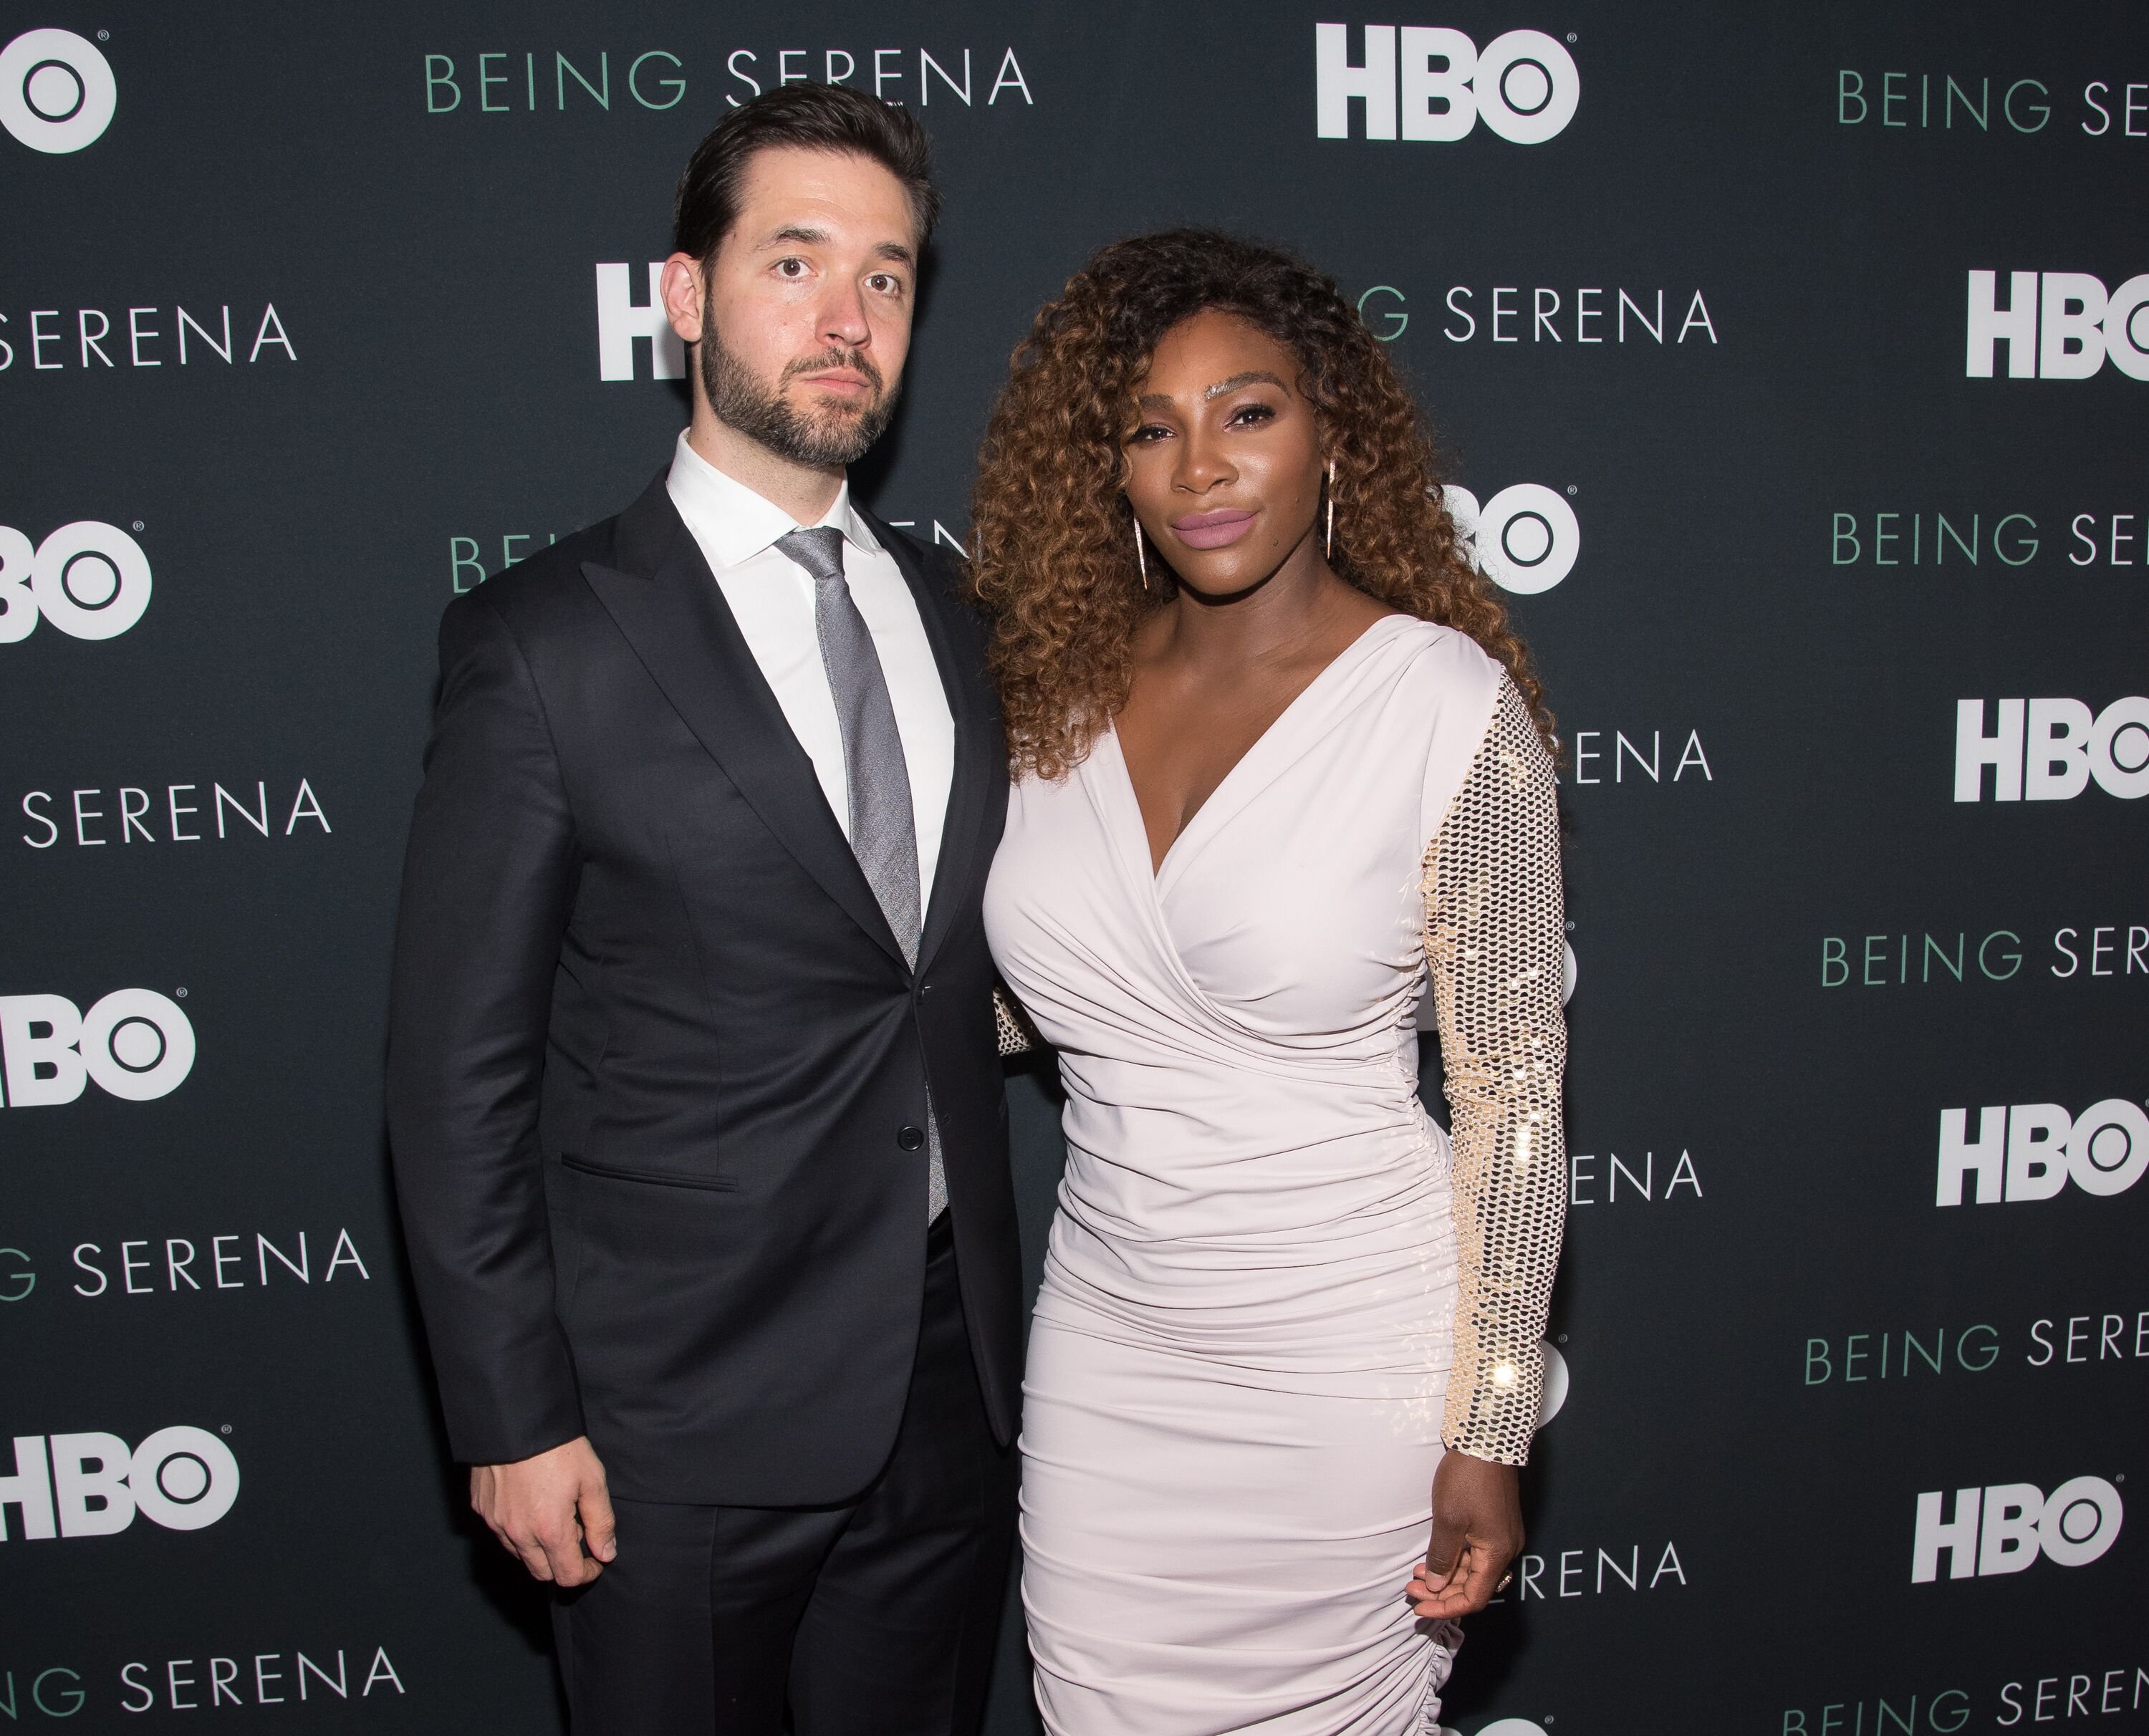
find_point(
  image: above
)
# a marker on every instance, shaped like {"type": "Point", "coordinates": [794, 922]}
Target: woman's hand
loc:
{"type": "Point", "coordinates": [1477, 1533]}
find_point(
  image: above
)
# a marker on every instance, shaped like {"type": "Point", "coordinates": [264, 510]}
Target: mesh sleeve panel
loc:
{"type": "Point", "coordinates": [1495, 939]}
{"type": "Point", "coordinates": [1016, 1034]}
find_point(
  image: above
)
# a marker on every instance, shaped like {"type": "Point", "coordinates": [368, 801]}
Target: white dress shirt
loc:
{"type": "Point", "coordinates": [770, 596]}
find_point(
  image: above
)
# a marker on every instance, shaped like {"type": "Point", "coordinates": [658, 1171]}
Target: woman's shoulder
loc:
{"type": "Point", "coordinates": [1443, 698]}
{"type": "Point", "coordinates": [1442, 662]}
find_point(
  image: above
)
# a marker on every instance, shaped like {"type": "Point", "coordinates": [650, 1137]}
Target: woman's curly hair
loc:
{"type": "Point", "coordinates": [1053, 559]}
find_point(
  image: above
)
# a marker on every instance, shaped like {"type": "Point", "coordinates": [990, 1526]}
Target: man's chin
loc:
{"type": "Point", "coordinates": [838, 437]}
{"type": "Point", "coordinates": [834, 419]}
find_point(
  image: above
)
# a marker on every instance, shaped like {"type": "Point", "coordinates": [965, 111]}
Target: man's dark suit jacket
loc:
{"type": "Point", "coordinates": [657, 1072]}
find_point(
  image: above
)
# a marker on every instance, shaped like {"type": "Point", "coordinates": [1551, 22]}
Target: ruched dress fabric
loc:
{"type": "Point", "coordinates": [1240, 1362]}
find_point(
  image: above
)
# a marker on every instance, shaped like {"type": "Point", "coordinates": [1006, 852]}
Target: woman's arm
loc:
{"type": "Point", "coordinates": [1495, 940]}
{"type": "Point", "coordinates": [1011, 1025]}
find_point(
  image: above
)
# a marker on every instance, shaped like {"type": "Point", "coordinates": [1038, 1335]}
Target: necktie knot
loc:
{"type": "Point", "coordinates": [819, 551]}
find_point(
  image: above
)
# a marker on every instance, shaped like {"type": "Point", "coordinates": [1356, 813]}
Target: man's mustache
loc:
{"type": "Point", "coordinates": [854, 360]}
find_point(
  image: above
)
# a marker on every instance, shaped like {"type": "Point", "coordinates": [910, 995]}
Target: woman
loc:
{"type": "Point", "coordinates": [1281, 774]}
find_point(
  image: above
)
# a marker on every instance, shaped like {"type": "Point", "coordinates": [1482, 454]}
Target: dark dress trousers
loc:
{"type": "Point", "coordinates": [658, 1073]}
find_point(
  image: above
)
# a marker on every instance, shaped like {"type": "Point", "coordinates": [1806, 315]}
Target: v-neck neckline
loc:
{"type": "Point", "coordinates": [1161, 866]}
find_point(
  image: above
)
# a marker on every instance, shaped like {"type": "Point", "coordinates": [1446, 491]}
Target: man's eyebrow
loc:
{"type": "Point", "coordinates": [1253, 376]}
{"type": "Point", "coordinates": [808, 234]}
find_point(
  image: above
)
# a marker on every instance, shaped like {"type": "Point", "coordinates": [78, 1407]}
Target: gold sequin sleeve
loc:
{"type": "Point", "coordinates": [1011, 1025]}
{"type": "Point", "coordinates": [1495, 940]}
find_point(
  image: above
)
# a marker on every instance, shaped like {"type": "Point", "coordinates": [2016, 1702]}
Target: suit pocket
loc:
{"type": "Point", "coordinates": [651, 1178]}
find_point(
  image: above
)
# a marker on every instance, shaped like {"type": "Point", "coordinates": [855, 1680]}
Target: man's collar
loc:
{"type": "Point", "coordinates": [734, 524]}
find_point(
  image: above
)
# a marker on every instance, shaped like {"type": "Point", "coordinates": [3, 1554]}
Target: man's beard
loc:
{"type": "Point", "coordinates": [830, 441]}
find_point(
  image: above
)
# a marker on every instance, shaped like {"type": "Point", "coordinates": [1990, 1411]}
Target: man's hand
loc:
{"type": "Point", "coordinates": [1476, 1531]}
{"type": "Point", "coordinates": [533, 1506]}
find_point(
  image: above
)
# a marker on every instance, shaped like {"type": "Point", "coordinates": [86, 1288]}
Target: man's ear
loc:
{"type": "Point", "coordinates": [682, 287]}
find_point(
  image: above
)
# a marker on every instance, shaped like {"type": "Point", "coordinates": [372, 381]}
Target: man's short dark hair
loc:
{"type": "Point", "coordinates": [802, 117]}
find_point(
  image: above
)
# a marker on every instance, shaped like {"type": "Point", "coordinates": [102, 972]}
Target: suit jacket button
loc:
{"type": "Point", "coordinates": [910, 1138]}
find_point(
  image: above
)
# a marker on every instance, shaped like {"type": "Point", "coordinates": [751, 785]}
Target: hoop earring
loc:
{"type": "Point", "coordinates": [1141, 560]}
{"type": "Point", "coordinates": [1330, 554]}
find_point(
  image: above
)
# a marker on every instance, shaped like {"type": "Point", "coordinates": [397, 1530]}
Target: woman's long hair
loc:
{"type": "Point", "coordinates": [1053, 559]}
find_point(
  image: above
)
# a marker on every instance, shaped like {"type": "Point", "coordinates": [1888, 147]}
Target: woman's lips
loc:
{"type": "Point", "coordinates": [1212, 529]}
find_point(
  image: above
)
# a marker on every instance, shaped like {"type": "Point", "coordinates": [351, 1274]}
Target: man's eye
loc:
{"type": "Point", "coordinates": [791, 268]}
{"type": "Point", "coordinates": [884, 283]}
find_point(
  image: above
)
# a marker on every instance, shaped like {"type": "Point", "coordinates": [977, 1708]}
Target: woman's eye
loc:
{"type": "Point", "coordinates": [1146, 435]}
{"type": "Point", "coordinates": [1247, 415]}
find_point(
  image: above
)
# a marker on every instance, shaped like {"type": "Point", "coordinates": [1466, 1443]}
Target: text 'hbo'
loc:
{"type": "Point", "coordinates": [1434, 84]}
{"type": "Point", "coordinates": [57, 91]}
{"type": "Point", "coordinates": [2049, 750]}
{"type": "Point", "coordinates": [2008, 1526]}
{"type": "Point", "coordinates": [2057, 325]}
{"type": "Point", "coordinates": [2031, 1150]}
{"type": "Point", "coordinates": [135, 1043]}
{"type": "Point", "coordinates": [1525, 539]}
{"type": "Point", "coordinates": [90, 580]}
{"type": "Point", "coordinates": [93, 1485]}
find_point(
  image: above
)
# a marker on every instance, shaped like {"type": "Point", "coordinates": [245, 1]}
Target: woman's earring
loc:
{"type": "Point", "coordinates": [1331, 509]}
{"type": "Point", "coordinates": [1141, 560]}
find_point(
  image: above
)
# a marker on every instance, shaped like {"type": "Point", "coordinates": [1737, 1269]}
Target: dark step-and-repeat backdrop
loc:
{"type": "Point", "coordinates": [1793, 359]}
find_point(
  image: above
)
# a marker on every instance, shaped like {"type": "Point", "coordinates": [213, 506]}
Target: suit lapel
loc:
{"type": "Point", "coordinates": [667, 605]}
{"type": "Point", "coordinates": [977, 757]}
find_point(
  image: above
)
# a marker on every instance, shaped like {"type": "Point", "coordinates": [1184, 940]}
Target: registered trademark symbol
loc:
{"type": "Point", "coordinates": [225, 1429]}
{"type": "Point", "coordinates": [140, 525]}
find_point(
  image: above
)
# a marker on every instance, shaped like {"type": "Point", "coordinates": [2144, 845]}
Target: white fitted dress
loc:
{"type": "Point", "coordinates": [1273, 1293]}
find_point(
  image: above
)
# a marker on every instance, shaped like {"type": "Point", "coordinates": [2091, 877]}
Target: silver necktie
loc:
{"type": "Point", "coordinates": [883, 827]}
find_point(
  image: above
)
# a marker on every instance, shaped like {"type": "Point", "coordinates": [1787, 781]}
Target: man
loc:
{"type": "Point", "coordinates": [699, 1121]}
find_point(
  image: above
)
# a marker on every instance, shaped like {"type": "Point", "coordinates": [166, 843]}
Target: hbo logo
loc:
{"type": "Point", "coordinates": [2081, 326]}
{"type": "Point", "coordinates": [134, 1042]}
{"type": "Point", "coordinates": [57, 92]}
{"type": "Point", "coordinates": [181, 1478]}
{"type": "Point", "coordinates": [2004, 1529]}
{"type": "Point", "coordinates": [2048, 750]}
{"type": "Point", "coordinates": [1524, 86]}
{"type": "Point", "coordinates": [90, 580]}
{"type": "Point", "coordinates": [1525, 538]}
{"type": "Point", "coordinates": [2037, 1146]}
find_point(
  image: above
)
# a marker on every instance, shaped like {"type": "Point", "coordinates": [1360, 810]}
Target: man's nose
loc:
{"type": "Point", "coordinates": [844, 317]}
